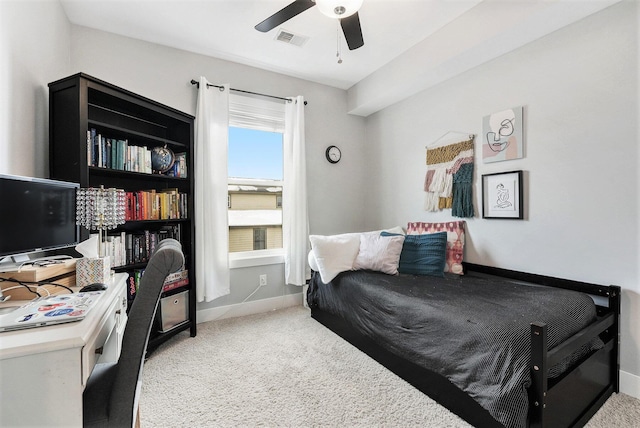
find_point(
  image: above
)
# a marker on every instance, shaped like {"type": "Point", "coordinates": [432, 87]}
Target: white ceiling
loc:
{"type": "Point", "coordinates": [429, 40]}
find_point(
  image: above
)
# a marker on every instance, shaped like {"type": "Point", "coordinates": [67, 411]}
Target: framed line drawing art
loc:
{"type": "Point", "coordinates": [502, 135]}
{"type": "Point", "coordinates": [502, 195]}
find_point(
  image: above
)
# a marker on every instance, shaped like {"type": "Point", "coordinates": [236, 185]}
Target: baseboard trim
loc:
{"type": "Point", "coordinates": [630, 384]}
{"type": "Point", "coordinates": [249, 308]}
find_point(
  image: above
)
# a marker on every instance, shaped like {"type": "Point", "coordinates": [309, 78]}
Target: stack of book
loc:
{"type": "Point", "coordinates": [176, 280]}
{"type": "Point", "coordinates": [173, 281]}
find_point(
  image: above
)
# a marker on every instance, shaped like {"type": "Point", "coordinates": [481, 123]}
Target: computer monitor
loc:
{"type": "Point", "coordinates": [37, 215]}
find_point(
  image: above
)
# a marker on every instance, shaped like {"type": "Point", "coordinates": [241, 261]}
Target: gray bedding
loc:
{"type": "Point", "coordinates": [472, 330]}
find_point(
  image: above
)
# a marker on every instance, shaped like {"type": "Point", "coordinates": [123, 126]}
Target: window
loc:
{"type": "Point", "coordinates": [259, 238]}
{"type": "Point", "coordinates": [255, 164]}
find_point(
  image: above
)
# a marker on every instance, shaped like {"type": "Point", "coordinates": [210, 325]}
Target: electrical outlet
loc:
{"type": "Point", "coordinates": [263, 279]}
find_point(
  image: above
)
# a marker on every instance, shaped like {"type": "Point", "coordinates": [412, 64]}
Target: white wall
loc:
{"type": "Point", "coordinates": [579, 89]}
{"type": "Point", "coordinates": [164, 74]}
{"type": "Point", "coordinates": [34, 50]}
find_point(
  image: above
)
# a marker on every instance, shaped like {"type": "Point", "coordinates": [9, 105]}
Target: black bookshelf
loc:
{"type": "Point", "coordinates": [81, 103]}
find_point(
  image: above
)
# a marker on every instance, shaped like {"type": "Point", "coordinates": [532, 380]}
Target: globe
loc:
{"type": "Point", "coordinates": [162, 159]}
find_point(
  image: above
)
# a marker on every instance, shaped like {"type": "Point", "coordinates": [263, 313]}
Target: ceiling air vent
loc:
{"type": "Point", "coordinates": [290, 38]}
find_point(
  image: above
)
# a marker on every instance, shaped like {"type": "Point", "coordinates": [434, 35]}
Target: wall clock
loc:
{"type": "Point", "coordinates": [333, 154]}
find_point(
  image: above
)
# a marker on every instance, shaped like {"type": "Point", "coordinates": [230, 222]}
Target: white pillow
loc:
{"type": "Point", "coordinates": [334, 254]}
{"type": "Point", "coordinates": [379, 253]}
{"type": "Point", "coordinates": [312, 261]}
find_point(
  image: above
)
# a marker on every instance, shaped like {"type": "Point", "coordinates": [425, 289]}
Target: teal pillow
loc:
{"type": "Point", "coordinates": [423, 254]}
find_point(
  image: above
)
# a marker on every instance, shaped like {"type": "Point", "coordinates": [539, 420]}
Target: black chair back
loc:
{"type": "Point", "coordinates": [119, 385]}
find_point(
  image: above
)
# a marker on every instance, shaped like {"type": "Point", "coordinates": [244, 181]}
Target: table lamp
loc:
{"type": "Point", "coordinates": [98, 209]}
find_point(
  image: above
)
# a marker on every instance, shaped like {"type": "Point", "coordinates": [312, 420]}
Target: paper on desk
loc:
{"type": "Point", "coordinates": [89, 247]}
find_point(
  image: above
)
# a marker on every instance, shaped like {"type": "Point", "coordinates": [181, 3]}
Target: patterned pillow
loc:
{"type": "Point", "coordinates": [423, 254]}
{"type": "Point", "coordinates": [455, 240]}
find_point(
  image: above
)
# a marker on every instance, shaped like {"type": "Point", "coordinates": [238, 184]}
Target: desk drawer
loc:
{"type": "Point", "coordinates": [95, 347]}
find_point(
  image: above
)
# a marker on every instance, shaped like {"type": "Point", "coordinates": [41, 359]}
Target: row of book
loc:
{"type": "Point", "coordinates": [166, 204]}
{"type": "Point", "coordinates": [126, 248]}
{"type": "Point", "coordinates": [104, 152]}
{"type": "Point", "coordinates": [173, 281]}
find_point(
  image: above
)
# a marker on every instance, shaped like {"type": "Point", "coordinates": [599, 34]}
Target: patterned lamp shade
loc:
{"type": "Point", "coordinates": [100, 209]}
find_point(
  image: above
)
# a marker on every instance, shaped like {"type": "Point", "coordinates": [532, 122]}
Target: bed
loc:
{"type": "Point", "coordinates": [496, 347]}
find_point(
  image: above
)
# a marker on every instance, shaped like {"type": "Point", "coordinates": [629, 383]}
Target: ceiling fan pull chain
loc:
{"type": "Point", "coordinates": [338, 53]}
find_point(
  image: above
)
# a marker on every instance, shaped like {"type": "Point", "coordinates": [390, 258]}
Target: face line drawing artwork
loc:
{"type": "Point", "coordinates": [502, 135]}
{"type": "Point", "coordinates": [500, 143]}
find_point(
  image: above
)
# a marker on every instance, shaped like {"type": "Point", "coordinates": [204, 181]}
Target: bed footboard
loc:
{"type": "Point", "coordinates": [575, 397]}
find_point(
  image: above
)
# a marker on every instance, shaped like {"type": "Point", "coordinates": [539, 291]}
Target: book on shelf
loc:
{"type": "Point", "coordinates": [166, 204]}
{"type": "Point", "coordinates": [176, 280]}
{"type": "Point", "coordinates": [89, 148]}
{"type": "Point", "coordinates": [133, 282]}
{"type": "Point", "coordinates": [113, 153]}
{"type": "Point", "coordinates": [179, 167]}
{"type": "Point", "coordinates": [128, 248]}
{"type": "Point", "coordinates": [107, 153]}
{"type": "Point", "coordinates": [173, 281]}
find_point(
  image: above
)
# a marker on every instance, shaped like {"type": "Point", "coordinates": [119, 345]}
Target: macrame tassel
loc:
{"type": "Point", "coordinates": [448, 186]}
{"type": "Point", "coordinates": [428, 178]}
{"type": "Point", "coordinates": [438, 181]}
{"type": "Point", "coordinates": [431, 201]}
{"type": "Point", "coordinates": [462, 200]}
{"type": "Point", "coordinates": [445, 203]}
{"type": "Point", "coordinates": [462, 192]}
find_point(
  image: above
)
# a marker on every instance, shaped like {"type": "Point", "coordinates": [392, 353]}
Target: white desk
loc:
{"type": "Point", "coordinates": [43, 370]}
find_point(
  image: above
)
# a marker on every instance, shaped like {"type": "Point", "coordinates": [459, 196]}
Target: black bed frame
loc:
{"type": "Point", "coordinates": [568, 401]}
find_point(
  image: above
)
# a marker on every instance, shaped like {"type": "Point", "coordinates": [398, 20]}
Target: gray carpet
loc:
{"type": "Point", "coordinates": [284, 369]}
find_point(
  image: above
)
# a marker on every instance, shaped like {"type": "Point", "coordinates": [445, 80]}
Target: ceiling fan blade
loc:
{"type": "Point", "coordinates": [284, 14]}
{"type": "Point", "coordinates": [352, 31]}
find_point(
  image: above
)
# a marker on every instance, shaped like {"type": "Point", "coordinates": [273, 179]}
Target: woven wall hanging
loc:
{"type": "Point", "coordinates": [449, 179]}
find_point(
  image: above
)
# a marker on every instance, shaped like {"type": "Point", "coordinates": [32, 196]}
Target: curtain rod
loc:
{"type": "Point", "coordinates": [195, 82]}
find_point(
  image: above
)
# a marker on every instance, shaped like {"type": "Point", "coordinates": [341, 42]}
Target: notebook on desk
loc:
{"type": "Point", "coordinates": [50, 310]}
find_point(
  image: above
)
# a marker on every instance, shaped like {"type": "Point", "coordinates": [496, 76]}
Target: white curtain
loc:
{"type": "Point", "coordinates": [294, 198]}
{"type": "Point", "coordinates": [211, 220]}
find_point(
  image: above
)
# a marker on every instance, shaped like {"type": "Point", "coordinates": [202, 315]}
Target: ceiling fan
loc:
{"type": "Point", "coordinates": [344, 10]}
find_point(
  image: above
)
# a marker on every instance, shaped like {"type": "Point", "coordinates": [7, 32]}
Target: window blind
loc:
{"type": "Point", "coordinates": [256, 113]}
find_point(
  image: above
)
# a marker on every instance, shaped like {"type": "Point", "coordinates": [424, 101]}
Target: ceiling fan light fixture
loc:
{"type": "Point", "coordinates": [338, 8]}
